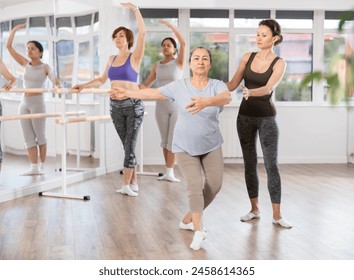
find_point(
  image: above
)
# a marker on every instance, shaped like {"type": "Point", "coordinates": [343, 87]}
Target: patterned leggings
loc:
{"type": "Point", "coordinates": [267, 128]}
{"type": "Point", "coordinates": [127, 121]}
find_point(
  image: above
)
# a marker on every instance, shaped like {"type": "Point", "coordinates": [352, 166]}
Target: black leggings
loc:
{"type": "Point", "coordinates": [127, 121]}
{"type": "Point", "coordinates": [267, 128]}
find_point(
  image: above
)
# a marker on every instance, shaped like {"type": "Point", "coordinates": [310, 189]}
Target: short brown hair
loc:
{"type": "Point", "coordinates": [128, 33]}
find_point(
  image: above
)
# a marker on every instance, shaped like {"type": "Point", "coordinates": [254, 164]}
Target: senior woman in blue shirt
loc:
{"type": "Point", "coordinates": [197, 138]}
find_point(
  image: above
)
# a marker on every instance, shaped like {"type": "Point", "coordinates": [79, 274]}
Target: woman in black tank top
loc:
{"type": "Point", "coordinates": [261, 72]}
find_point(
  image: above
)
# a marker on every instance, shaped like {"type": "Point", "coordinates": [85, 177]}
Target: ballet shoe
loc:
{"type": "Point", "coordinates": [283, 223]}
{"type": "Point", "coordinates": [188, 226]}
{"type": "Point", "coordinates": [30, 172]}
{"type": "Point", "coordinates": [249, 216]}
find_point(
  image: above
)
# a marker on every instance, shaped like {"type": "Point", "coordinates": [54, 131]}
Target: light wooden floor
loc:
{"type": "Point", "coordinates": [317, 199]}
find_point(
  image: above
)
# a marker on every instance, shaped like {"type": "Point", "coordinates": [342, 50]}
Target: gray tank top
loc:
{"type": "Point", "coordinates": [34, 76]}
{"type": "Point", "coordinates": [167, 73]}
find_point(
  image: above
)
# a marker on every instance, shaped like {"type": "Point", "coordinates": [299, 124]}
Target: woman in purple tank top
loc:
{"type": "Point", "coordinates": [127, 115]}
{"type": "Point", "coordinates": [261, 71]}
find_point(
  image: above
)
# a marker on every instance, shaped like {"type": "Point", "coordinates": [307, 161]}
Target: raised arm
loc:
{"type": "Point", "coordinates": [8, 76]}
{"type": "Point", "coordinates": [19, 58]}
{"type": "Point", "coordinates": [182, 49]}
{"type": "Point", "coordinates": [138, 53]}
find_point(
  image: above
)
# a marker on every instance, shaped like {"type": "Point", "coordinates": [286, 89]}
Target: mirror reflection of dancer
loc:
{"type": "Point", "coordinates": [197, 138]}
{"type": "Point", "coordinates": [127, 115]}
{"type": "Point", "coordinates": [262, 71]}
{"type": "Point", "coordinates": [163, 72]}
{"type": "Point", "coordinates": [11, 81]}
{"type": "Point", "coordinates": [34, 75]}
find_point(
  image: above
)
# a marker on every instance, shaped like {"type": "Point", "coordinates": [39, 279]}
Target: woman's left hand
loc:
{"type": "Point", "coordinates": [117, 94]}
{"type": "Point", "coordinates": [197, 104]}
{"type": "Point", "coordinates": [245, 92]}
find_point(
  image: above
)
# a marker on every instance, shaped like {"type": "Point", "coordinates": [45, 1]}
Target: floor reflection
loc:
{"type": "Point", "coordinates": [13, 165]}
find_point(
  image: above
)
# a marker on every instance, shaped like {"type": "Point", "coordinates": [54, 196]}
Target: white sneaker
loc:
{"type": "Point", "coordinates": [127, 190]}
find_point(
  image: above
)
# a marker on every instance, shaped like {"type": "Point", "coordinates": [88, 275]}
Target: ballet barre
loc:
{"type": "Point", "coordinates": [56, 90]}
{"type": "Point", "coordinates": [64, 122]}
{"type": "Point", "coordinates": [83, 119]}
{"type": "Point", "coordinates": [38, 116]}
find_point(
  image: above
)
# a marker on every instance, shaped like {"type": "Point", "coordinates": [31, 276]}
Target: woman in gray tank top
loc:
{"type": "Point", "coordinates": [34, 76]}
{"type": "Point", "coordinates": [163, 72]}
{"type": "Point", "coordinates": [11, 81]}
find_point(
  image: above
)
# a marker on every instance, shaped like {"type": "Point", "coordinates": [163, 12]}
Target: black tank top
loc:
{"type": "Point", "coordinates": [257, 106]}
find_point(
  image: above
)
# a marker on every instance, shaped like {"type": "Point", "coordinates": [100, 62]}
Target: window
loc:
{"type": "Point", "coordinates": [249, 18]}
{"type": "Point", "coordinates": [218, 43]}
{"type": "Point", "coordinates": [338, 54]}
{"type": "Point", "coordinates": [152, 16]}
{"type": "Point", "coordinates": [209, 18]}
{"type": "Point", "coordinates": [297, 51]}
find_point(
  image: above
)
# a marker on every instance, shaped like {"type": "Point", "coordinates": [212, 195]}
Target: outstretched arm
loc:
{"type": "Point", "coordinates": [143, 94]}
{"type": "Point", "coordinates": [19, 58]}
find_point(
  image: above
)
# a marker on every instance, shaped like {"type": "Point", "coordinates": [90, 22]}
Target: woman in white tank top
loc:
{"type": "Point", "coordinates": [163, 72]}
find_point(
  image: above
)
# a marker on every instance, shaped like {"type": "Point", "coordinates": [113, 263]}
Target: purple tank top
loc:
{"type": "Point", "coordinates": [124, 72]}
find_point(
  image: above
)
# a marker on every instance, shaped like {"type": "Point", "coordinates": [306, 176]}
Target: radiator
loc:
{"type": "Point", "coordinates": [231, 147]}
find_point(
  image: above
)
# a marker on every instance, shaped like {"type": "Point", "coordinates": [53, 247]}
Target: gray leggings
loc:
{"type": "Point", "coordinates": [127, 121]}
{"type": "Point", "coordinates": [196, 169]}
{"type": "Point", "coordinates": [33, 129]}
{"type": "Point", "coordinates": [166, 116]}
{"type": "Point", "coordinates": [267, 128]}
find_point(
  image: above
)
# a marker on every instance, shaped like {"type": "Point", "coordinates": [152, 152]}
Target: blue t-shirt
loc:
{"type": "Point", "coordinates": [196, 134]}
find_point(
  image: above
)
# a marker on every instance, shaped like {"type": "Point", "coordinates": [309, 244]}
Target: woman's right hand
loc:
{"type": "Point", "coordinates": [165, 22]}
{"type": "Point", "coordinates": [20, 26]}
{"type": "Point", "coordinates": [79, 88]}
{"type": "Point", "coordinates": [129, 5]}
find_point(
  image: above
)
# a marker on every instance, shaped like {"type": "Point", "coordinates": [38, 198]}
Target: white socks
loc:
{"type": "Point", "coordinates": [199, 237]}
{"type": "Point", "coordinates": [41, 169]}
{"type": "Point", "coordinates": [127, 190]}
{"type": "Point", "coordinates": [36, 169]}
{"type": "Point", "coordinates": [169, 176]}
{"type": "Point", "coordinates": [32, 171]}
{"type": "Point", "coordinates": [134, 187]}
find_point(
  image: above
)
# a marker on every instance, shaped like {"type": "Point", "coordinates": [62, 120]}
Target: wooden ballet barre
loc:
{"type": "Point", "coordinates": [83, 119]}
{"type": "Point", "coordinates": [38, 116]}
{"type": "Point", "coordinates": [56, 90]}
